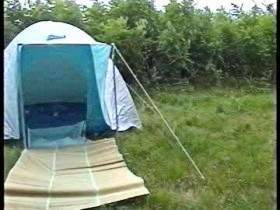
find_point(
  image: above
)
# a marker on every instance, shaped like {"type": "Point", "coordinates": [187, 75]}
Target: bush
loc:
{"type": "Point", "coordinates": [182, 43]}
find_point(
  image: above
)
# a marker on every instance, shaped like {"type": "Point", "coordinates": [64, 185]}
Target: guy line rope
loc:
{"type": "Point", "coordinates": [160, 114]}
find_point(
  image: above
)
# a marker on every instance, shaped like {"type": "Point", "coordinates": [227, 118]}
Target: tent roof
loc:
{"type": "Point", "coordinates": [39, 32]}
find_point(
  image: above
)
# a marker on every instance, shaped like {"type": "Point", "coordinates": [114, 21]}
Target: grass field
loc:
{"type": "Point", "coordinates": [229, 133]}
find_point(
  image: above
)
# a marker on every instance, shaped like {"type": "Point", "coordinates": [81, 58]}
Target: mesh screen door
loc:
{"type": "Point", "coordinates": [54, 81]}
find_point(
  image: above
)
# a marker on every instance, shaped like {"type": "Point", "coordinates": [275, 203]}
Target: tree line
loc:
{"type": "Point", "coordinates": [179, 44]}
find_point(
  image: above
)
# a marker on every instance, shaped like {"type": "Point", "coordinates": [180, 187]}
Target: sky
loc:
{"type": "Point", "coordinates": [212, 4]}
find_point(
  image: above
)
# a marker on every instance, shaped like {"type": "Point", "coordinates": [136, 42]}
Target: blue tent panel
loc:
{"type": "Point", "coordinates": [63, 85]}
{"type": "Point", "coordinates": [95, 118]}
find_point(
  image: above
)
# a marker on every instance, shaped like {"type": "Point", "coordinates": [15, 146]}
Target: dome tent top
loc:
{"type": "Point", "coordinates": [50, 32]}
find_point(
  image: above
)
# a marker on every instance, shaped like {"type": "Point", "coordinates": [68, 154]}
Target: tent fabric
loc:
{"type": "Point", "coordinates": [35, 34]}
{"type": "Point", "coordinates": [96, 111]}
{"type": "Point", "coordinates": [53, 36]}
{"type": "Point", "coordinates": [56, 136]}
{"type": "Point", "coordinates": [76, 73]}
{"type": "Point", "coordinates": [75, 177]}
{"type": "Point", "coordinates": [126, 112]}
{"type": "Point", "coordinates": [51, 124]}
{"type": "Point", "coordinates": [68, 74]}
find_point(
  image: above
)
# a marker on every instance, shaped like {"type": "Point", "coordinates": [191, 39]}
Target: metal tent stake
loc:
{"type": "Point", "coordinates": [158, 111]}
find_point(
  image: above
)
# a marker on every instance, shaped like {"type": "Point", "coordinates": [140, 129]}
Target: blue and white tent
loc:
{"type": "Point", "coordinates": [59, 84]}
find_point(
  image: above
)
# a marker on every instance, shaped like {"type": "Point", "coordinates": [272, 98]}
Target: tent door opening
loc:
{"type": "Point", "coordinates": [54, 90]}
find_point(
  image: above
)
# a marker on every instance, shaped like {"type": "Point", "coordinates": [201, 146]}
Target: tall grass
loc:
{"type": "Point", "coordinates": [230, 134]}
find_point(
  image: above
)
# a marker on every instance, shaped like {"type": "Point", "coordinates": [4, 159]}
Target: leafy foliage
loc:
{"type": "Point", "coordinates": [179, 43]}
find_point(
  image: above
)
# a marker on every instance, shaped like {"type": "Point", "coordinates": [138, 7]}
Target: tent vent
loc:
{"type": "Point", "coordinates": [51, 37]}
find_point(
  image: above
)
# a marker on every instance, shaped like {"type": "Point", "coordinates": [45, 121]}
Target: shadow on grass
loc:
{"type": "Point", "coordinates": [126, 204]}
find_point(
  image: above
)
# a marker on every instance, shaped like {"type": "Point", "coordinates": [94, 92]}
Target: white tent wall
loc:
{"type": "Point", "coordinates": [126, 112]}
{"type": "Point", "coordinates": [11, 112]}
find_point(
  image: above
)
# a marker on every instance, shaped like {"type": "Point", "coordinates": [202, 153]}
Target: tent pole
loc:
{"type": "Point", "coordinates": [115, 86]}
{"type": "Point", "coordinates": [20, 98]}
{"type": "Point", "coordinates": [160, 114]}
